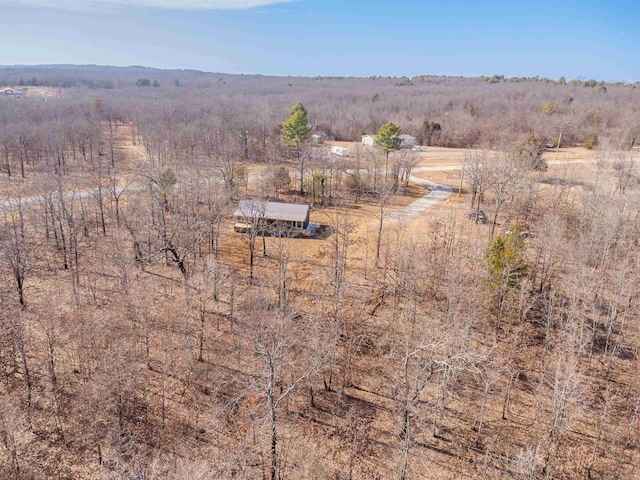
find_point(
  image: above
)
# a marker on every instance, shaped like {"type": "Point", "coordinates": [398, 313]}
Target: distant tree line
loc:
{"type": "Point", "coordinates": [442, 111]}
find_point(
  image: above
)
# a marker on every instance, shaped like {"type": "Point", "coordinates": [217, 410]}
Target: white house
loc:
{"type": "Point", "coordinates": [369, 140]}
{"type": "Point", "coordinates": [340, 151]}
{"type": "Point", "coordinates": [407, 141]}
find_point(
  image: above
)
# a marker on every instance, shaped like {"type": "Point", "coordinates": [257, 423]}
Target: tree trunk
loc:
{"type": "Point", "coordinates": [301, 160]}
{"type": "Point", "coordinates": [201, 346]}
{"type": "Point", "coordinates": [379, 235]}
{"type": "Point", "coordinates": [494, 222]}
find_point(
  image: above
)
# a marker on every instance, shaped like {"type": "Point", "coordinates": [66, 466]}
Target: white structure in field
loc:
{"type": "Point", "coordinates": [340, 151]}
{"type": "Point", "coordinates": [369, 140]}
{"type": "Point", "coordinates": [407, 141]}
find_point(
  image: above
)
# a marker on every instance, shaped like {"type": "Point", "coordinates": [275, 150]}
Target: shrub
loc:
{"type": "Point", "coordinates": [591, 141]}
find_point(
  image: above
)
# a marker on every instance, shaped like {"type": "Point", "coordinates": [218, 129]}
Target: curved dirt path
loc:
{"type": "Point", "coordinates": [442, 192]}
{"type": "Point", "coordinates": [437, 194]}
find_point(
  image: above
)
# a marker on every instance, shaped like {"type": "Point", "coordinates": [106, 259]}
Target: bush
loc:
{"type": "Point", "coordinates": [591, 142]}
{"type": "Point", "coordinates": [531, 153]}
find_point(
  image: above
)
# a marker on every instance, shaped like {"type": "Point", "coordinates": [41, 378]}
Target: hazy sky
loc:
{"type": "Point", "coordinates": [587, 38]}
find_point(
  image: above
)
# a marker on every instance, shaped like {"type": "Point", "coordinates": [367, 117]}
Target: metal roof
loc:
{"type": "Point", "coordinates": [291, 212]}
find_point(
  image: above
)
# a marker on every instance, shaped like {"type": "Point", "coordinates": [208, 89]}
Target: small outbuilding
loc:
{"type": "Point", "coordinates": [369, 140]}
{"type": "Point", "coordinates": [407, 141]}
{"type": "Point", "coordinates": [289, 218]}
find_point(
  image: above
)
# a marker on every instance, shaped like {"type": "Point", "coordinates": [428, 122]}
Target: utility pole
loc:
{"type": "Point", "coordinates": [559, 141]}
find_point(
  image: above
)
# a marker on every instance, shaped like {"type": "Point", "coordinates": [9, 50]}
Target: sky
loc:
{"type": "Point", "coordinates": [549, 38]}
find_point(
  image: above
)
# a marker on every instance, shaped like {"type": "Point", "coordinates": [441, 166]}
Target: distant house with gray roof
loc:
{"type": "Point", "coordinates": [407, 141]}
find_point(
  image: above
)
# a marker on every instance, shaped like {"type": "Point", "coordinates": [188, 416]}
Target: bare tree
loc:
{"type": "Point", "coordinates": [384, 197]}
{"type": "Point", "coordinates": [567, 392]}
{"type": "Point", "coordinates": [278, 369]}
{"type": "Point", "coordinates": [504, 175]}
{"type": "Point", "coordinates": [206, 288]}
{"type": "Point", "coordinates": [404, 162]}
{"type": "Point", "coordinates": [474, 167]}
{"type": "Point", "coordinates": [183, 228]}
{"type": "Point", "coordinates": [625, 173]}
{"type": "Point", "coordinates": [16, 245]}
{"type": "Point", "coordinates": [12, 429]}
{"type": "Point", "coordinates": [252, 212]}
{"type": "Point", "coordinates": [335, 292]}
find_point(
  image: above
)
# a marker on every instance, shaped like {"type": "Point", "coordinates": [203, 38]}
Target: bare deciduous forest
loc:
{"type": "Point", "coordinates": [494, 334]}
